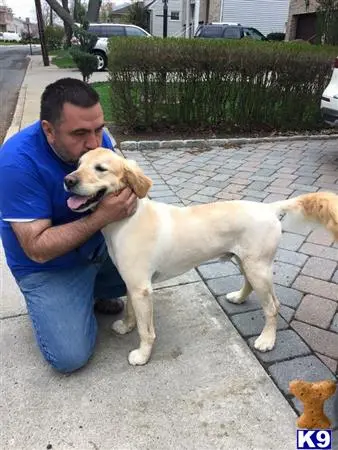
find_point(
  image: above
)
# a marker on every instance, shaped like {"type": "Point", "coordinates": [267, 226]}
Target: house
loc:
{"type": "Point", "coordinates": [6, 16]}
{"type": "Point", "coordinates": [302, 20]}
{"type": "Point", "coordinates": [175, 17]}
{"type": "Point", "coordinates": [266, 15]}
{"type": "Point", "coordinates": [17, 26]}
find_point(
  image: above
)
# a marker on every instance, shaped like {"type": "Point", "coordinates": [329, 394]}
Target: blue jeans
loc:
{"type": "Point", "coordinates": [60, 304]}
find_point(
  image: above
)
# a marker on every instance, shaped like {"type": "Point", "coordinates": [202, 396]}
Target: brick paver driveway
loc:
{"type": "Point", "coordinates": [306, 272]}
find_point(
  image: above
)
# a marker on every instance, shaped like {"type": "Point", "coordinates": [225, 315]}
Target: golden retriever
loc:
{"type": "Point", "coordinates": [161, 241]}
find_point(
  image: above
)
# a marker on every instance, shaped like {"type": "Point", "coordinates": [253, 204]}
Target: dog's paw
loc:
{"type": "Point", "coordinates": [120, 327]}
{"type": "Point", "coordinates": [137, 358]}
{"type": "Point", "coordinates": [235, 297]}
{"type": "Point", "coordinates": [264, 343]}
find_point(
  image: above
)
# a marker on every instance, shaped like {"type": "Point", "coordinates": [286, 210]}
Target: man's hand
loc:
{"type": "Point", "coordinates": [113, 208]}
{"type": "Point", "coordinates": [43, 242]}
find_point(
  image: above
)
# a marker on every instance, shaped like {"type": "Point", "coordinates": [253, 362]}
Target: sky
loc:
{"type": "Point", "coordinates": [22, 8]}
{"type": "Point", "coordinates": [26, 8]}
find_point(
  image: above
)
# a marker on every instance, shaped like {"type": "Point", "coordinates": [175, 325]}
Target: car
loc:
{"type": "Point", "coordinates": [228, 31]}
{"type": "Point", "coordinates": [104, 31]}
{"type": "Point", "coordinates": [329, 100]}
{"type": "Point", "coordinates": [10, 36]}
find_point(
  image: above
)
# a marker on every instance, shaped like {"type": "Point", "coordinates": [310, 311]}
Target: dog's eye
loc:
{"type": "Point", "coordinates": [100, 168]}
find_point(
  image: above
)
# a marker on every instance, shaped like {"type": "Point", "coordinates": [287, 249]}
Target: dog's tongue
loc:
{"type": "Point", "coordinates": [75, 201]}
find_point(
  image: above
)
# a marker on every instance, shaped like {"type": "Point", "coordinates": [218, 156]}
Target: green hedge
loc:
{"type": "Point", "coordinates": [228, 85]}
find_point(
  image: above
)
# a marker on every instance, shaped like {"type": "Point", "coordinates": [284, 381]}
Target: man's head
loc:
{"type": "Point", "coordinates": [72, 118]}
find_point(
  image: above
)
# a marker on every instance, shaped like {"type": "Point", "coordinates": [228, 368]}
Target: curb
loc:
{"type": "Point", "coordinates": [208, 143]}
{"type": "Point", "coordinates": [19, 109]}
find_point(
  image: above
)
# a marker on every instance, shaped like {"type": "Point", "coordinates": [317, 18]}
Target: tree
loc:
{"type": "Point", "coordinates": [61, 12]}
{"type": "Point", "coordinates": [138, 15]}
{"type": "Point", "coordinates": [106, 12]}
{"type": "Point", "coordinates": [91, 16]}
{"type": "Point", "coordinates": [67, 26]}
{"type": "Point", "coordinates": [93, 10]}
{"type": "Point", "coordinates": [79, 11]}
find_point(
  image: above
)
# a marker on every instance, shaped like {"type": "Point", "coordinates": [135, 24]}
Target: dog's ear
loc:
{"type": "Point", "coordinates": [136, 180]}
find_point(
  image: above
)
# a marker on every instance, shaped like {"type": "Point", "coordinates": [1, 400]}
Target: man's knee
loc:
{"type": "Point", "coordinates": [69, 360]}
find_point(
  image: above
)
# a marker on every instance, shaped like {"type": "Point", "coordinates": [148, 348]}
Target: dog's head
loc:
{"type": "Point", "coordinates": [100, 172]}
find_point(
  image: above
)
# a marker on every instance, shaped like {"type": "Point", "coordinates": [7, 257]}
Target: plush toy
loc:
{"type": "Point", "coordinates": [313, 396]}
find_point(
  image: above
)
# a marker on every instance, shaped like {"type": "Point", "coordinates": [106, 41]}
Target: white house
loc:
{"type": "Point", "coordinates": [266, 15]}
{"type": "Point", "coordinates": [174, 17]}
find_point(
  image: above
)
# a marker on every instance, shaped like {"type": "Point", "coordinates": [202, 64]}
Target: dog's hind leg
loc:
{"type": "Point", "coordinates": [142, 302]}
{"type": "Point", "coordinates": [128, 323]}
{"type": "Point", "coordinates": [240, 296]}
{"type": "Point", "coordinates": [260, 277]}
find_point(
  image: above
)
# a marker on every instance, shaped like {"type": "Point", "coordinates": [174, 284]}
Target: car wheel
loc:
{"type": "Point", "coordinates": [101, 61]}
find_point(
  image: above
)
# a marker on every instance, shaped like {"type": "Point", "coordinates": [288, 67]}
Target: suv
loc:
{"type": "Point", "coordinates": [228, 31]}
{"type": "Point", "coordinates": [106, 30]}
{"type": "Point", "coordinates": [329, 101]}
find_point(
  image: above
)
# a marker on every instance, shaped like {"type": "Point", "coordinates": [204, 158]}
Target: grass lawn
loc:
{"type": "Point", "coordinates": [62, 59]}
{"type": "Point", "coordinates": [103, 90]}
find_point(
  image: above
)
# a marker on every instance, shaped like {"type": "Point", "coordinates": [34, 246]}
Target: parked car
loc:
{"type": "Point", "coordinates": [329, 101]}
{"type": "Point", "coordinates": [104, 31]}
{"type": "Point", "coordinates": [228, 31]}
{"type": "Point", "coordinates": [10, 36]}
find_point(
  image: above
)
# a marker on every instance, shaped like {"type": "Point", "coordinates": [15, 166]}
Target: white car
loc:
{"type": "Point", "coordinates": [329, 102]}
{"type": "Point", "coordinates": [104, 31]}
{"type": "Point", "coordinates": [10, 36]}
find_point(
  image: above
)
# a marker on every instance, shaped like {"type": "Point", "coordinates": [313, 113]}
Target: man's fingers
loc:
{"type": "Point", "coordinates": [125, 194]}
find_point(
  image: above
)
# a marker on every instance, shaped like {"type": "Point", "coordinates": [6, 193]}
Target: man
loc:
{"type": "Point", "coordinates": [58, 257]}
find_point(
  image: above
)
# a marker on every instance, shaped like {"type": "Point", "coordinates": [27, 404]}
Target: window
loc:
{"type": "Point", "coordinates": [175, 15]}
{"type": "Point", "coordinates": [96, 29]}
{"type": "Point", "coordinates": [113, 31]}
{"type": "Point", "coordinates": [232, 33]}
{"type": "Point", "coordinates": [132, 31]}
{"type": "Point", "coordinates": [252, 33]}
{"type": "Point", "coordinates": [211, 31]}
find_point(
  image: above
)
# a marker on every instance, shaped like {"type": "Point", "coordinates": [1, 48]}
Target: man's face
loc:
{"type": "Point", "coordinates": [78, 131]}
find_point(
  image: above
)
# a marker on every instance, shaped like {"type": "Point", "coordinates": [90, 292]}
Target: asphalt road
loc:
{"type": "Point", "coordinates": [13, 64]}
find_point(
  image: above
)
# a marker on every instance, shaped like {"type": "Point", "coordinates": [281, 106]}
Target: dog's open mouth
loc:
{"type": "Point", "coordinates": [79, 202]}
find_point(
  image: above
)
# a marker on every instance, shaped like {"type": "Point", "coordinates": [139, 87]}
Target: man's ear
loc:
{"type": "Point", "coordinates": [136, 180]}
{"type": "Point", "coordinates": [49, 131]}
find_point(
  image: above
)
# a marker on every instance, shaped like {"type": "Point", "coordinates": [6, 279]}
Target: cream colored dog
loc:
{"type": "Point", "coordinates": [162, 241]}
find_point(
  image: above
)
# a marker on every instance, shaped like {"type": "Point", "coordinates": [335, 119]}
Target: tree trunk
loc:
{"type": "Point", "coordinates": [68, 28]}
{"type": "Point", "coordinates": [51, 16]}
{"type": "Point", "coordinates": [61, 12]}
{"type": "Point", "coordinates": [93, 10]}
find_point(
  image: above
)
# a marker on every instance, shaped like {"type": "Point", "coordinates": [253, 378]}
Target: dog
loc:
{"type": "Point", "coordinates": [161, 241]}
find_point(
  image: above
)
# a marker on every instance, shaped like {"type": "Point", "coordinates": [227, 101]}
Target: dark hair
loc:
{"type": "Point", "coordinates": [66, 90]}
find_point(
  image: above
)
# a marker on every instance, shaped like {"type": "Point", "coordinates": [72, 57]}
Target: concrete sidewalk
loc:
{"type": "Point", "coordinates": [202, 389]}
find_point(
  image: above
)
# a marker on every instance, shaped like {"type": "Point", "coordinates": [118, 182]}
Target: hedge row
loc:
{"type": "Point", "coordinates": [228, 85]}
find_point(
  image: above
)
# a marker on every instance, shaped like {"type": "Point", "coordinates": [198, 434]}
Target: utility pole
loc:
{"type": "Point", "coordinates": [41, 33]}
{"type": "Point", "coordinates": [165, 18]}
{"type": "Point", "coordinates": [29, 35]}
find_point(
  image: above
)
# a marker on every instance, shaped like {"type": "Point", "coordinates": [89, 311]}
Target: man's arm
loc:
{"type": "Point", "coordinates": [42, 242]}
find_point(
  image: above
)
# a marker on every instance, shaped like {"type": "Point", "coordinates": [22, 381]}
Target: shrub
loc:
{"type": "Point", "coordinates": [276, 37]}
{"type": "Point", "coordinates": [227, 85]}
{"type": "Point", "coordinates": [85, 62]}
{"type": "Point", "coordinates": [54, 36]}
{"type": "Point", "coordinates": [86, 40]}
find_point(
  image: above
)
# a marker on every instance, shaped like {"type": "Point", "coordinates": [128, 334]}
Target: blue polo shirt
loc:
{"type": "Point", "coordinates": [31, 188]}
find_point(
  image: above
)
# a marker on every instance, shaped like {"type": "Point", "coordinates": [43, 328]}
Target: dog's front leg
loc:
{"type": "Point", "coordinates": [143, 307]}
{"type": "Point", "coordinates": [128, 323]}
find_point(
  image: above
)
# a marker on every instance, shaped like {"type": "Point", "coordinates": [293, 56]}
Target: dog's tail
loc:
{"type": "Point", "coordinates": [321, 207]}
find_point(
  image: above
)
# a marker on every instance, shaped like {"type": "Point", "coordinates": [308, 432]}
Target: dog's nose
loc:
{"type": "Point", "coordinates": [70, 181]}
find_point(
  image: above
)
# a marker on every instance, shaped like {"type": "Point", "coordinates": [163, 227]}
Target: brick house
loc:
{"type": "Point", "coordinates": [6, 17]}
{"type": "Point", "coordinates": [302, 20]}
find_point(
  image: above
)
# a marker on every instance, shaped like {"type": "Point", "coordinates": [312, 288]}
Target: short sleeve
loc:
{"type": "Point", "coordinates": [23, 196]}
{"type": "Point", "coordinates": [106, 141]}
